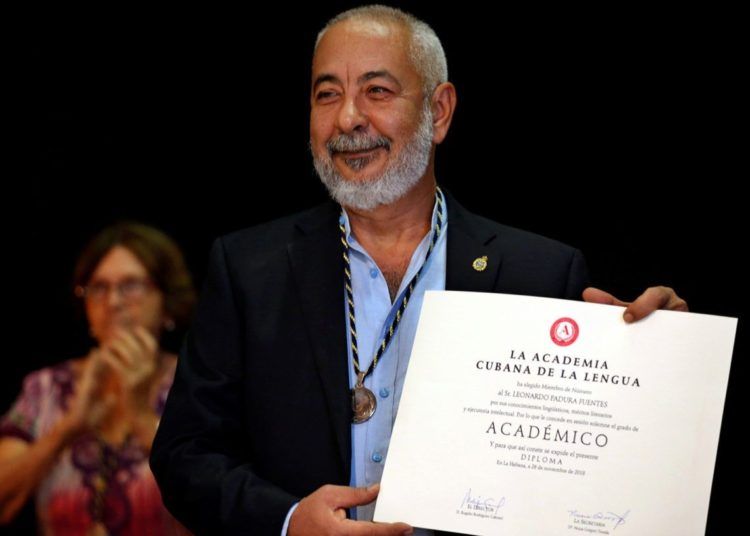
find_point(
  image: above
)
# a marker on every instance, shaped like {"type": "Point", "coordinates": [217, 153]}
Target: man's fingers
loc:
{"type": "Point", "coordinates": [324, 512]}
{"type": "Point", "coordinates": [367, 528]}
{"type": "Point", "coordinates": [652, 299]}
{"type": "Point", "coordinates": [675, 303]}
{"type": "Point", "coordinates": [595, 295]}
{"type": "Point", "coordinates": [346, 497]}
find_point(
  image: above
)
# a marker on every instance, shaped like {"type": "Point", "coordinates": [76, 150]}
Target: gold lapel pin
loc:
{"type": "Point", "coordinates": [480, 263]}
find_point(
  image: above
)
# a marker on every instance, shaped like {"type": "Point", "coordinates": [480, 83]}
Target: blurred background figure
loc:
{"type": "Point", "coordinates": [79, 434]}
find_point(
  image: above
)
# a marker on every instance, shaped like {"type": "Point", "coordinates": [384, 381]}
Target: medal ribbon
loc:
{"type": "Point", "coordinates": [404, 300]}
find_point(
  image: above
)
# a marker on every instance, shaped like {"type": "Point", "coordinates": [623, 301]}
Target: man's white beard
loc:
{"type": "Point", "coordinates": [399, 176]}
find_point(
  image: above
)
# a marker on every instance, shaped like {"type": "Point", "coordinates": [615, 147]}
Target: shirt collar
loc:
{"type": "Point", "coordinates": [344, 218]}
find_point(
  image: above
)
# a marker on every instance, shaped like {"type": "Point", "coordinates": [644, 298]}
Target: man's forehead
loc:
{"type": "Point", "coordinates": [369, 43]}
{"type": "Point", "coordinates": [366, 27]}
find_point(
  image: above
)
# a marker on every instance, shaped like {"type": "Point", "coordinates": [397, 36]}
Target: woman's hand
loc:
{"type": "Point", "coordinates": [132, 354]}
{"type": "Point", "coordinates": [91, 404]}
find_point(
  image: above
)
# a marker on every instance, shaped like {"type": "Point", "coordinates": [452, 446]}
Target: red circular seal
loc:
{"type": "Point", "coordinates": [564, 331]}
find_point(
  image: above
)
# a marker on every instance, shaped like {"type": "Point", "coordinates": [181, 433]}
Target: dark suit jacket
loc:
{"type": "Point", "coordinates": [259, 414]}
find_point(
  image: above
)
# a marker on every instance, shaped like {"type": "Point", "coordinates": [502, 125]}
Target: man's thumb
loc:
{"type": "Point", "coordinates": [359, 496]}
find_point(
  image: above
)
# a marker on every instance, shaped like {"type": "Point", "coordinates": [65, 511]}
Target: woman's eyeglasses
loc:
{"type": "Point", "coordinates": [132, 288]}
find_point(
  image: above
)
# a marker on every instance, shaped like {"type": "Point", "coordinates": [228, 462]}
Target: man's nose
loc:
{"type": "Point", "coordinates": [351, 117]}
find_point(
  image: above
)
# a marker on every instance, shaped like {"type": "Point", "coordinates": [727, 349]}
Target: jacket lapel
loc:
{"type": "Point", "coordinates": [317, 264]}
{"type": "Point", "coordinates": [469, 240]}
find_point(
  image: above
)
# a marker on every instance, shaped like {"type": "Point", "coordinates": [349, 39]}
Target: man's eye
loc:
{"type": "Point", "coordinates": [378, 90]}
{"type": "Point", "coordinates": [324, 95]}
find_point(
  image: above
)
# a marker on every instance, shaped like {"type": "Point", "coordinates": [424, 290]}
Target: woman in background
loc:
{"type": "Point", "coordinates": [79, 435]}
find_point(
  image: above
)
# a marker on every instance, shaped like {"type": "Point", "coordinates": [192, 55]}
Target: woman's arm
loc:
{"type": "Point", "coordinates": [23, 466]}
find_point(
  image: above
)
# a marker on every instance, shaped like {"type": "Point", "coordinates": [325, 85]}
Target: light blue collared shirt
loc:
{"type": "Point", "coordinates": [373, 312]}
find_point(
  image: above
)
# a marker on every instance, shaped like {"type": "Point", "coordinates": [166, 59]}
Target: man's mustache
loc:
{"type": "Point", "coordinates": [348, 143]}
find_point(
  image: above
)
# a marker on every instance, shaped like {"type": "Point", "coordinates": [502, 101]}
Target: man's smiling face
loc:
{"type": "Point", "coordinates": [370, 126]}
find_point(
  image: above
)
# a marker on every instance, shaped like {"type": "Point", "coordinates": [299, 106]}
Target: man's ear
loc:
{"type": "Point", "coordinates": [443, 106]}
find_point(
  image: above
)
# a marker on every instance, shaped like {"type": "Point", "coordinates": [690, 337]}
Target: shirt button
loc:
{"type": "Point", "coordinates": [376, 457]}
{"type": "Point", "coordinates": [384, 392]}
{"type": "Point", "coordinates": [374, 273]}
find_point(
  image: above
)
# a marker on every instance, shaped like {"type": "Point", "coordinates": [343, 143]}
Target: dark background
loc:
{"type": "Point", "coordinates": [614, 131]}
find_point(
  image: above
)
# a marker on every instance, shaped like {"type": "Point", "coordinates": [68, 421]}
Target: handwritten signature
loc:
{"type": "Point", "coordinates": [601, 516]}
{"type": "Point", "coordinates": [486, 504]}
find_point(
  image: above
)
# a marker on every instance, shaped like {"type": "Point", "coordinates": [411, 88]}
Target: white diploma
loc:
{"type": "Point", "coordinates": [538, 416]}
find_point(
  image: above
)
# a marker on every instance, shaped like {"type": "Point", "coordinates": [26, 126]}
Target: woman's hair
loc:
{"type": "Point", "coordinates": [158, 253]}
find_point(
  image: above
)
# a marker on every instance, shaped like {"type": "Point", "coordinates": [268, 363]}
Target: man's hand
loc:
{"type": "Point", "coordinates": [652, 299]}
{"type": "Point", "coordinates": [324, 512]}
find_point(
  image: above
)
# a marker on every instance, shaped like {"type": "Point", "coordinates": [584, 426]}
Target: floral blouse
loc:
{"type": "Point", "coordinates": [67, 502]}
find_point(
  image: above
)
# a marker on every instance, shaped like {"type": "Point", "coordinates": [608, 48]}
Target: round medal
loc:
{"type": "Point", "coordinates": [363, 404]}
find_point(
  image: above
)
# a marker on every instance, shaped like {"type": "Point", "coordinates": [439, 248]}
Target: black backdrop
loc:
{"type": "Point", "coordinates": [612, 131]}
